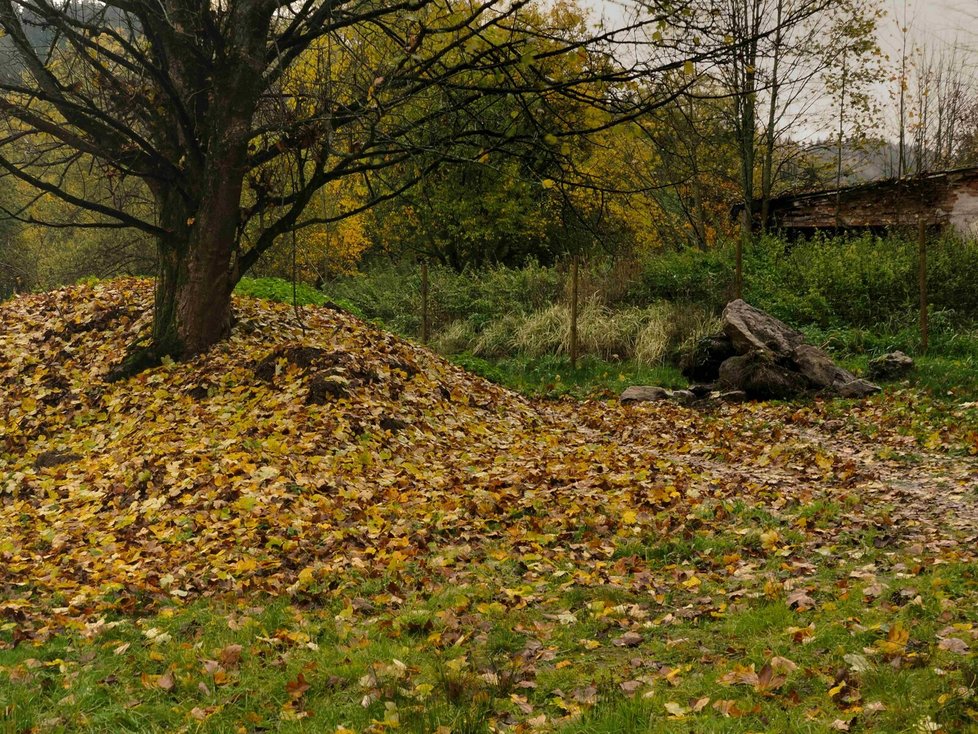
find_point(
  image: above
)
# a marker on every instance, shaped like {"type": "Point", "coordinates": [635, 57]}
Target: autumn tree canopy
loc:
{"type": "Point", "coordinates": [228, 118]}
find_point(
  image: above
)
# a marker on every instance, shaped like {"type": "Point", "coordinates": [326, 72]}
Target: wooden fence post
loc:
{"type": "Point", "coordinates": [424, 302]}
{"type": "Point", "coordinates": [922, 281]}
{"type": "Point", "coordinates": [573, 312]}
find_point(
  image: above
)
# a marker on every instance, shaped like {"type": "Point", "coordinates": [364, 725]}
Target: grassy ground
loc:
{"type": "Point", "coordinates": [552, 377]}
{"type": "Point", "coordinates": [875, 639]}
{"type": "Point", "coordinates": [755, 568]}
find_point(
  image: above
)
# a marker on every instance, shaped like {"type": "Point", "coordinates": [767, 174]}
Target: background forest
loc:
{"type": "Point", "coordinates": [247, 514]}
{"type": "Point", "coordinates": [803, 100]}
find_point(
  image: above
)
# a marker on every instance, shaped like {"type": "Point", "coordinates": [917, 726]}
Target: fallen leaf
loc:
{"type": "Point", "coordinates": [297, 688]}
{"type": "Point", "coordinates": [629, 639]}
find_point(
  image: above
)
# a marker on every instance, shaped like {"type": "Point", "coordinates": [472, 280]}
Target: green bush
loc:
{"type": "Point", "coordinates": [867, 282]}
{"type": "Point", "coordinates": [391, 292]}
{"type": "Point", "coordinates": [858, 281]}
{"type": "Point", "coordinates": [688, 276]}
{"type": "Point", "coordinates": [277, 289]}
{"type": "Point", "coordinates": [856, 295]}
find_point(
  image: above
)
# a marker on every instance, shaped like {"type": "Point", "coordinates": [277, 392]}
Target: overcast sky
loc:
{"type": "Point", "coordinates": [934, 24]}
{"type": "Point", "coordinates": [941, 20]}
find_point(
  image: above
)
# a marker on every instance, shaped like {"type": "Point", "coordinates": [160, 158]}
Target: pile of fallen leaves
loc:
{"type": "Point", "coordinates": [304, 455]}
{"type": "Point", "coordinates": [289, 456]}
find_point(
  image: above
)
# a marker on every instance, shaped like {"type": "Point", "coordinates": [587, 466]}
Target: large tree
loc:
{"type": "Point", "coordinates": [233, 114]}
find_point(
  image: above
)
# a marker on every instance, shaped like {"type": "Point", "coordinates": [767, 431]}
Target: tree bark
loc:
{"type": "Point", "coordinates": [198, 266]}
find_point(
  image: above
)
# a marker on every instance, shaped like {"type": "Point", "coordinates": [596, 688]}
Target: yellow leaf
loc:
{"type": "Point", "coordinates": [769, 539]}
{"type": "Point", "coordinates": [677, 710]}
{"type": "Point", "coordinates": [306, 576]}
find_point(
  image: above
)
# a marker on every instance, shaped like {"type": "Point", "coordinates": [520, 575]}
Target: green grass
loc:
{"type": "Point", "coordinates": [948, 377]}
{"type": "Point", "coordinates": [553, 376]}
{"type": "Point", "coordinates": [472, 657]}
{"type": "Point", "coordinates": [278, 289]}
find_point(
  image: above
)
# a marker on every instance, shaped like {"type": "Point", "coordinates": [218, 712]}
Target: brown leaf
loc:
{"type": "Point", "coordinates": [782, 665]}
{"type": "Point", "coordinates": [800, 600]}
{"type": "Point", "coordinates": [230, 656]}
{"type": "Point", "coordinates": [953, 644]}
{"type": "Point", "coordinates": [211, 667]}
{"type": "Point", "coordinates": [630, 686]}
{"type": "Point", "coordinates": [728, 708]}
{"type": "Point", "coordinates": [629, 639]}
{"type": "Point", "coordinates": [297, 688]}
{"type": "Point", "coordinates": [768, 680]}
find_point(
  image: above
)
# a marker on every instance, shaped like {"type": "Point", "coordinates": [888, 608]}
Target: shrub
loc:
{"type": "Point", "coordinates": [688, 276]}
{"type": "Point", "coordinates": [277, 289]}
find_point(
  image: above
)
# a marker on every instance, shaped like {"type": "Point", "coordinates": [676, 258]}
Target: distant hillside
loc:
{"type": "Point", "coordinates": [41, 34]}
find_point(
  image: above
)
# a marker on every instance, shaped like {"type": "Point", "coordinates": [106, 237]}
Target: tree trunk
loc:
{"type": "Point", "coordinates": [193, 296]}
{"type": "Point", "coordinates": [198, 262]}
{"type": "Point", "coordinates": [770, 132]}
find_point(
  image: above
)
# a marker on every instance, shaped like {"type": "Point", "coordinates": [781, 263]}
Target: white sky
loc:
{"type": "Point", "coordinates": [934, 24]}
{"type": "Point", "coordinates": [941, 20]}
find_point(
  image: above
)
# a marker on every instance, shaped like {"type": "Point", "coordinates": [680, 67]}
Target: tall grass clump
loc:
{"type": "Point", "coordinates": [542, 332]}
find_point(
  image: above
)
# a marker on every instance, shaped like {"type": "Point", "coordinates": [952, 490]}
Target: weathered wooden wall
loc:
{"type": "Point", "coordinates": [941, 200]}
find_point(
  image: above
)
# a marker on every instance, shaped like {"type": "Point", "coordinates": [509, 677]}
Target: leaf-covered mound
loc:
{"type": "Point", "coordinates": [442, 546]}
{"type": "Point", "coordinates": [304, 456]}
{"type": "Point", "coordinates": [287, 458]}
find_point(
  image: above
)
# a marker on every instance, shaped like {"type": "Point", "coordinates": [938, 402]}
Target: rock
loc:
{"type": "Point", "coordinates": [856, 388]}
{"type": "Point", "coordinates": [702, 364]}
{"type": "Point", "coordinates": [644, 393]}
{"type": "Point", "coordinates": [760, 375]}
{"type": "Point", "coordinates": [750, 329]}
{"type": "Point", "coordinates": [653, 393]}
{"type": "Point", "coordinates": [703, 391]}
{"type": "Point", "coordinates": [733, 396]}
{"type": "Point", "coordinates": [773, 360]}
{"type": "Point", "coordinates": [819, 369]}
{"type": "Point", "coordinates": [890, 366]}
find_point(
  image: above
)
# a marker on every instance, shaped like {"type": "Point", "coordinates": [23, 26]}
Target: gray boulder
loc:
{"type": "Point", "coordinates": [760, 375]}
{"type": "Point", "coordinates": [750, 329]}
{"type": "Point", "coordinates": [684, 397]}
{"type": "Point", "coordinates": [855, 389]}
{"type": "Point", "coordinates": [818, 368]}
{"type": "Point", "coordinates": [892, 366]}
{"type": "Point", "coordinates": [774, 362]}
{"type": "Point", "coordinates": [652, 393]}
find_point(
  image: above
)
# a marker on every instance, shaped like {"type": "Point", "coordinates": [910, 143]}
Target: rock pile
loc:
{"type": "Point", "coordinates": [767, 359]}
{"type": "Point", "coordinates": [759, 357]}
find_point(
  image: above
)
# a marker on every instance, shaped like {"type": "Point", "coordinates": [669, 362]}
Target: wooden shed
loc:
{"type": "Point", "coordinates": [948, 199]}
